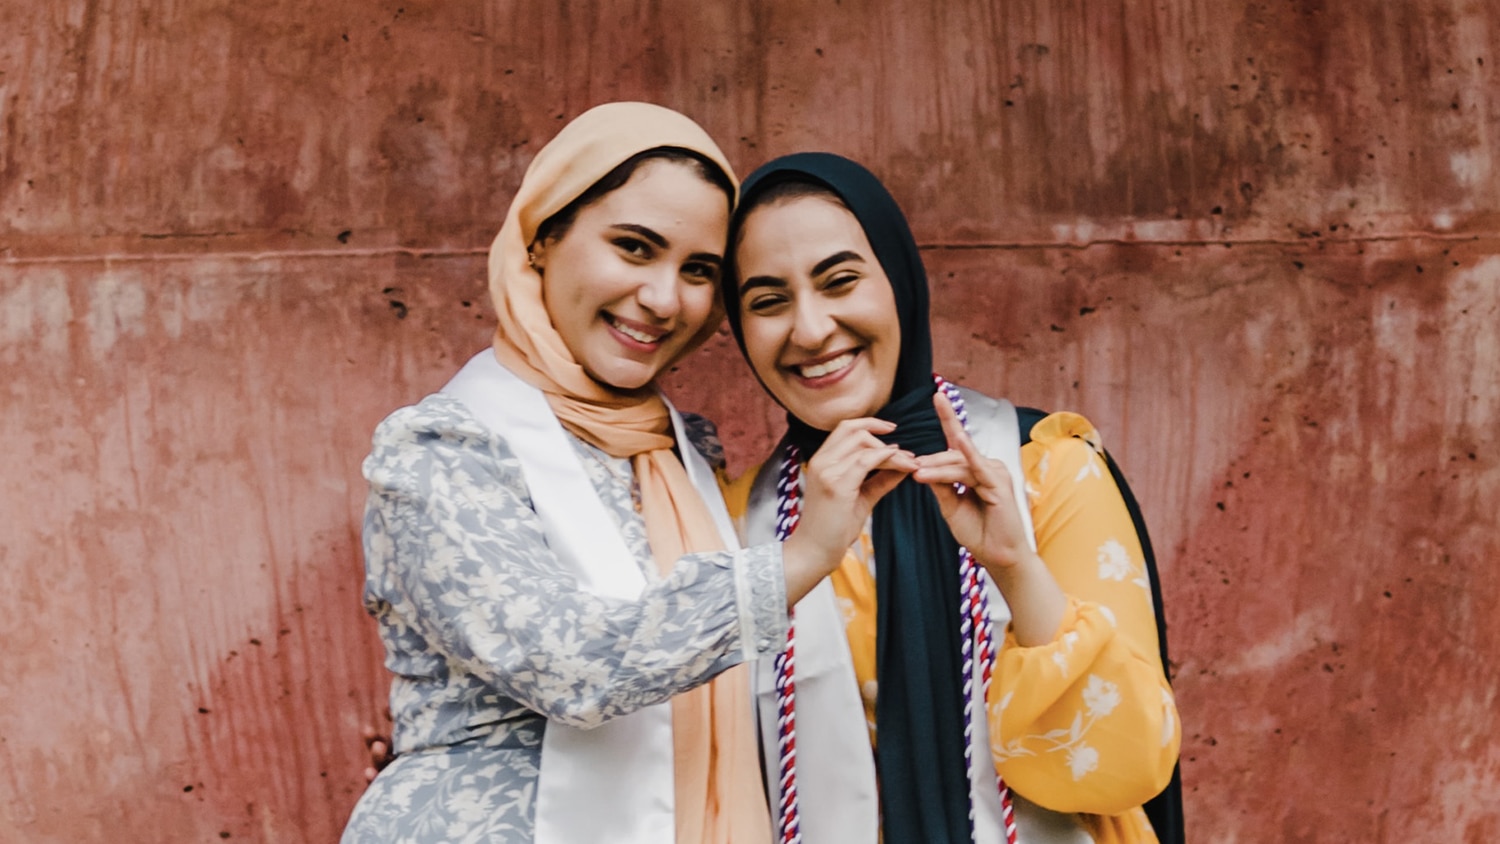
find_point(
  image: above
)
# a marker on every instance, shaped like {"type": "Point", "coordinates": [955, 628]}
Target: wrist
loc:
{"type": "Point", "coordinates": [814, 556]}
{"type": "Point", "coordinates": [1020, 565]}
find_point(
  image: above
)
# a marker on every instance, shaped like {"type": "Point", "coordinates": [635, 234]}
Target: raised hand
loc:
{"type": "Point", "coordinates": [841, 485]}
{"type": "Point", "coordinates": [985, 517]}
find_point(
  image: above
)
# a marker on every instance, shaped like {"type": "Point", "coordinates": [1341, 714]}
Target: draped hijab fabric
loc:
{"type": "Point", "coordinates": [719, 797]}
{"type": "Point", "coordinates": [919, 715]}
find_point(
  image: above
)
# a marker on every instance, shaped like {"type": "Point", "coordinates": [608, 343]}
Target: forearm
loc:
{"type": "Point", "coordinates": [805, 564]}
{"type": "Point", "coordinates": [1085, 723]}
{"type": "Point", "coordinates": [1037, 603]}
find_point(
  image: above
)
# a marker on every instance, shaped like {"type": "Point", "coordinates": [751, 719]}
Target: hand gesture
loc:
{"type": "Point", "coordinates": [841, 485]}
{"type": "Point", "coordinates": [985, 517]}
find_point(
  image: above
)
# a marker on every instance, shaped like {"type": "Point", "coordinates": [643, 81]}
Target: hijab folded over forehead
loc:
{"type": "Point", "coordinates": [527, 343]}
{"type": "Point", "coordinates": [919, 714]}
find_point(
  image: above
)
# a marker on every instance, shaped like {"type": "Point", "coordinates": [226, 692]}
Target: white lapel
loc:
{"type": "Point", "coordinates": [613, 783]}
{"type": "Point", "coordinates": [835, 769]}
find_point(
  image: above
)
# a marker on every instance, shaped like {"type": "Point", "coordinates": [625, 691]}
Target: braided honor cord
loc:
{"type": "Point", "coordinates": [976, 629]}
{"type": "Point", "coordinates": [788, 512]}
{"type": "Point", "coordinates": [977, 632]}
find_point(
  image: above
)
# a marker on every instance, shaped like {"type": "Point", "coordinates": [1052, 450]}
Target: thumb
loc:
{"type": "Point", "coordinates": [947, 498]}
{"type": "Point", "coordinates": [879, 484]}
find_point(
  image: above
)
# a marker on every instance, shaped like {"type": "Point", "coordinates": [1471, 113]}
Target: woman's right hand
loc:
{"type": "Point", "coordinates": [841, 485]}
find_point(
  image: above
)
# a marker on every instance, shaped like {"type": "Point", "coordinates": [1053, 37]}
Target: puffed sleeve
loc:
{"type": "Point", "coordinates": [1086, 723]}
{"type": "Point", "coordinates": [458, 568]}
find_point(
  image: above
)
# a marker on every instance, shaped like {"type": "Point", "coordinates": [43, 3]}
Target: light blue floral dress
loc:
{"type": "Point", "coordinates": [489, 640]}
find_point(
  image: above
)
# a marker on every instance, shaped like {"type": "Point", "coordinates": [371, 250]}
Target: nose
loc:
{"type": "Point", "coordinates": [812, 324]}
{"type": "Point", "coordinates": [659, 293]}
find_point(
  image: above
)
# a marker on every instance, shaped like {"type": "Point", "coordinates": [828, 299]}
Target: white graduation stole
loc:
{"type": "Point", "coordinates": [836, 784]}
{"type": "Point", "coordinates": [613, 783]}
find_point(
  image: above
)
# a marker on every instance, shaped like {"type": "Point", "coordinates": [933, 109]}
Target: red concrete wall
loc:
{"type": "Point", "coordinates": [1258, 243]}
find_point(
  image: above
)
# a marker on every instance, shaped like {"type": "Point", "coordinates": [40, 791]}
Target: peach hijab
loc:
{"type": "Point", "coordinates": [719, 797]}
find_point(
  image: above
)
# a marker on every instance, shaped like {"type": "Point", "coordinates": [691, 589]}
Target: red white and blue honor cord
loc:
{"type": "Point", "coordinates": [976, 629]}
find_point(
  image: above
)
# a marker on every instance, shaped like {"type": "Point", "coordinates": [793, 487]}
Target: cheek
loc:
{"type": "Point", "coordinates": [760, 346]}
{"type": "Point", "coordinates": [568, 306]}
{"type": "Point", "coordinates": [698, 303]}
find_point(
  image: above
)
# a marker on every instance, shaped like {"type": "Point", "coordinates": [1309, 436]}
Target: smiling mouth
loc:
{"type": "Point", "coordinates": [825, 368]}
{"type": "Point", "coordinates": [637, 334]}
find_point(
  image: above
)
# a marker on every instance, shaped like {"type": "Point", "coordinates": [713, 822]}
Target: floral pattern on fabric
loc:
{"type": "Point", "coordinates": [1059, 732]}
{"type": "Point", "coordinates": [488, 639]}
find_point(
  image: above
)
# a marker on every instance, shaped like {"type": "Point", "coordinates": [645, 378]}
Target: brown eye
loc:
{"type": "Point", "coordinates": [634, 247]}
{"type": "Point", "coordinates": [765, 303]}
{"type": "Point", "coordinates": [701, 271]}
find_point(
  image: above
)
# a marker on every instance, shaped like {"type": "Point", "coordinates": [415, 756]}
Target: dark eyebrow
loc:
{"type": "Point", "coordinates": [761, 281]}
{"type": "Point", "coordinates": [818, 269]}
{"type": "Point", "coordinates": [649, 234]}
{"type": "Point", "coordinates": [834, 260]}
{"type": "Point", "coordinates": [661, 242]}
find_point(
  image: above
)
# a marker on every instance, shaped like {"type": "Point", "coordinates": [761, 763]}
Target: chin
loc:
{"type": "Point", "coordinates": [826, 414]}
{"type": "Point", "coordinates": [624, 375]}
{"type": "Point", "coordinates": [822, 418]}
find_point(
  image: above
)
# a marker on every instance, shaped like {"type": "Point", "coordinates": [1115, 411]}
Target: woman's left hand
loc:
{"type": "Point", "coordinates": [985, 517]}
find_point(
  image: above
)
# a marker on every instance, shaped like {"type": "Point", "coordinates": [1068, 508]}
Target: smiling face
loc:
{"type": "Point", "coordinates": [633, 277]}
{"type": "Point", "coordinates": [817, 310]}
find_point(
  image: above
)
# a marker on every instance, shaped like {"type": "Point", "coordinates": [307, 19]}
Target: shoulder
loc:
{"type": "Point", "coordinates": [1047, 429]}
{"type": "Point", "coordinates": [436, 435]}
{"type": "Point", "coordinates": [1064, 446]}
{"type": "Point", "coordinates": [1064, 427]}
{"type": "Point", "coordinates": [703, 434]}
{"type": "Point", "coordinates": [436, 418]}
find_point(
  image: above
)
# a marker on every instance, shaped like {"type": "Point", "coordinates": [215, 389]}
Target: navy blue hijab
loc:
{"type": "Point", "coordinates": [919, 713]}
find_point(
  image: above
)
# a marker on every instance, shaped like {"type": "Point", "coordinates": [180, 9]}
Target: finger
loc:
{"type": "Point", "coordinates": [367, 732]}
{"type": "Point", "coordinates": [862, 428]}
{"type": "Point", "coordinates": [902, 461]}
{"type": "Point", "coordinates": [866, 461]}
{"type": "Point", "coordinates": [953, 429]}
{"type": "Point", "coordinates": [950, 465]}
{"type": "Point", "coordinates": [942, 458]}
{"type": "Point", "coordinates": [877, 485]}
{"type": "Point", "coordinates": [848, 477]}
{"type": "Point", "coordinates": [370, 775]}
{"type": "Point", "coordinates": [837, 456]}
{"type": "Point", "coordinates": [840, 446]}
{"type": "Point", "coordinates": [938, 475]}
{"type": "Point", "coordinates": [865, 423]}
{"type": "Point", "coordinates": [985, 473]}
{"type": "Point", "coordinates": [947, 498]}
{"type": "Point", "coordinates": [378, 749]}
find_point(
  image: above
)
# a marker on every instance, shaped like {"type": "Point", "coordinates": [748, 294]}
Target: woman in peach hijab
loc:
{"type": "Point", "coordinates": [564, 607]}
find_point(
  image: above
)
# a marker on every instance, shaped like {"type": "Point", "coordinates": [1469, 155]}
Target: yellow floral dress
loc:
{"type": "Point", "coordinates": [1085, 724]}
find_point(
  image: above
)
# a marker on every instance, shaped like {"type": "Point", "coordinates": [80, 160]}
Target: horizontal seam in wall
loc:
{"type": "Point", "coordinates": [413, 252]}
{"type": "Point", "coordinates": [1262, 241]}
{"type": "Point", "coordinates": [151, 257]}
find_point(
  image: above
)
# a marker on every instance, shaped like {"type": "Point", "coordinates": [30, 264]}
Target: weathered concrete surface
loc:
{"type": "Point", "coordinates": [1258, 243]}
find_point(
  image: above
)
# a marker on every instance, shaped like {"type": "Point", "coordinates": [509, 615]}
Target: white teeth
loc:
{"type": "Point", "coordinates": [633, 334]}
{"type": "Point", "coordinates": [818, 370]}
